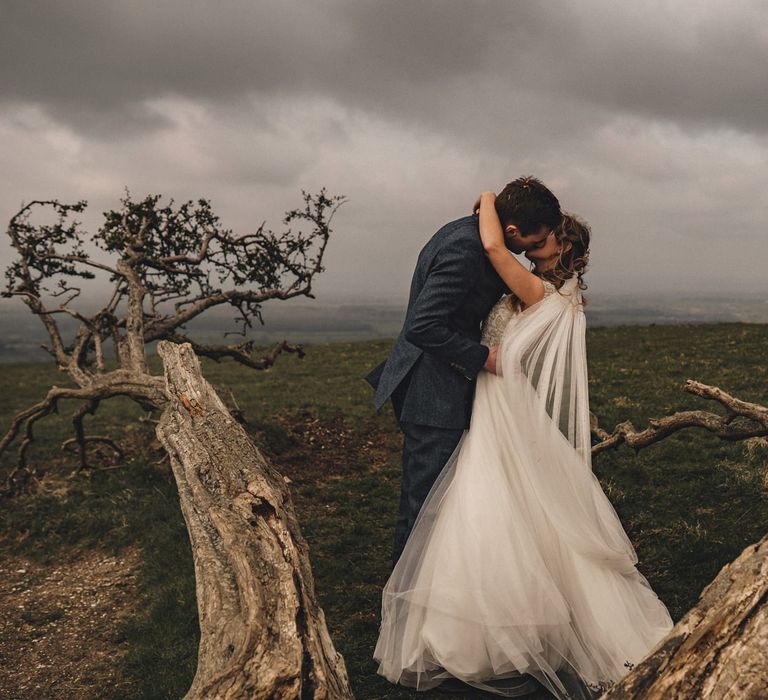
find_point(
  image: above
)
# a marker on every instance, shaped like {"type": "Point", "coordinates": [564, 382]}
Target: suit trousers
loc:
{"type": "Point", "coordinates": [426, 450]}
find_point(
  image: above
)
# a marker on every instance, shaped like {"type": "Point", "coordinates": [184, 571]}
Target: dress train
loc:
{"type": "Point", "coordinates": [518, 563]}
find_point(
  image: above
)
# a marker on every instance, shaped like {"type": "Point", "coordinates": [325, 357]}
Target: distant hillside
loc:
{"type": "Point", "coordinates": [305, 321]}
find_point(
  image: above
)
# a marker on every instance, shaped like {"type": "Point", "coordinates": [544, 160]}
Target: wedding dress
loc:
{"type": "Point", "coordinates": [517, 562]}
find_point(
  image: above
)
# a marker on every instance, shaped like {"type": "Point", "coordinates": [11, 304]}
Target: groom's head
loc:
{"type": "Point", "coordinates": [528, 212]}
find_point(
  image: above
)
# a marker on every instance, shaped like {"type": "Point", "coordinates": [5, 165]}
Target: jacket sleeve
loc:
{"type": "Point", "coordinates": [453, 274]}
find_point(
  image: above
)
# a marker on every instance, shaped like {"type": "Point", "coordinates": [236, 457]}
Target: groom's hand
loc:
{"type": "Point", "coordinates": [490, 363]}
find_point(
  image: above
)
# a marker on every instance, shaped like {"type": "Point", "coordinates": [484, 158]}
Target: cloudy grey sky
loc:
{"type": "Point", "coordinates": [650, 119]}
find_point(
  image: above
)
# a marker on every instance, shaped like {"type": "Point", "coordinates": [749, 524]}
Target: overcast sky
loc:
{"type": "Point", "coordinates": [649, 119]}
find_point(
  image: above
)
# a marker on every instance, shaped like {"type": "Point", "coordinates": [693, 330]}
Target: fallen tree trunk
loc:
{"type": "Point", "coordinates": [719, 649]}
{"type": "Point", "coordinates": [262, 632]}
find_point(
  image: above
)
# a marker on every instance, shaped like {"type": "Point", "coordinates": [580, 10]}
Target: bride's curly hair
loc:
{"type": "Point", "coordinates": [574, 257]}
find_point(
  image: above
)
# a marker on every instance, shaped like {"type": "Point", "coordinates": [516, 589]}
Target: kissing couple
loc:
{"type": "Point", "coordinates": [511, 569]}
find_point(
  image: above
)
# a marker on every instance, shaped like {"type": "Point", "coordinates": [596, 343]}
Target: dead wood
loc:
{"type": "Point", "coordinates": [742, 420]}
{"type": "Point", "coordinates": [719, 649]}
{"type": "Point", "coordinates": [263, 634]}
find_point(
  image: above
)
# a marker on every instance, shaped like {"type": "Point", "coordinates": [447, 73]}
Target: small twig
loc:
{"type": "Point", "coordinates": [95, 438]}
{"type": "Point", "coordinates": [114, 466]}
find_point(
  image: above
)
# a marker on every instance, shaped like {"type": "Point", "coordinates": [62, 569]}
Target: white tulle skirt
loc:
{"type": "Point", "coordinates": [517, 564]}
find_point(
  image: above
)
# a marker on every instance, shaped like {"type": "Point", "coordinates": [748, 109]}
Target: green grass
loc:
{"type": "Point", "coordinates": [690, 503]}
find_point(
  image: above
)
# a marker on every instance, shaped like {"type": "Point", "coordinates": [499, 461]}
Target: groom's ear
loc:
{"type": "Point", "coordinates": [511, 230]}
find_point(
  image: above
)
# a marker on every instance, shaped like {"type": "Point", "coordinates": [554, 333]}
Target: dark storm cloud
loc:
{"type": "Point", "coordinates": [648, 118]}
{"type": "Point", "coordinates": [93, 64]}
{"type": "Point", "coordinates": [701, 63]}
{"type": "Point", "coordinates": [86, 61]}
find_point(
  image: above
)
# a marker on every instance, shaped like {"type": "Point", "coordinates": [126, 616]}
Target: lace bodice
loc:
{"type": "Point", "coordinates": [501, 314]}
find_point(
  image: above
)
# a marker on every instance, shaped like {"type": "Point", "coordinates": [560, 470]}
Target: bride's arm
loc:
{"type": "Point", "coordinates": [527, 287]}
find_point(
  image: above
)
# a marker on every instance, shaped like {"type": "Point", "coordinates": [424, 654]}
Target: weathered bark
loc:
{"type": "Point", "coordinates": [263, 634]}
{"type": "Point", "coordinates": [719, 650]}
{"type": "Point", "coordinates": [741, 421]}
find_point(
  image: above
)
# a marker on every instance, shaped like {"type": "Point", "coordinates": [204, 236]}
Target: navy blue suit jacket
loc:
{"type": "Point", "coordinates": [431, 370]}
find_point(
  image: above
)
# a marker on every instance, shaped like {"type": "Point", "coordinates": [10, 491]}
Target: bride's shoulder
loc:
{"type": "Point", "coordinates": [549, 288]}
{"type": "Point", "coordinates": [568, 288]}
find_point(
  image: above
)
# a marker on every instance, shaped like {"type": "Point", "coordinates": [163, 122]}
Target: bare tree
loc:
{"type": "Point", "coordinates": [263, 634]}
{"type": "Point", "coordinates": [167, 266]}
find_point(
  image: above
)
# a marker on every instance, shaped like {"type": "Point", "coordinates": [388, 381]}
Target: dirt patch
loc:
{"type": "Point", "coordinates": [313, 449]}
{"type": "Point", "coordinates": [59, 624]}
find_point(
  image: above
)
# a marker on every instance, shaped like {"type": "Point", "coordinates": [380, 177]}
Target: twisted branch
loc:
{"type": "Point", "coordinates": [741, 421]}
{"type": "Point", "coordinates": [240, 352]}
{"type": "Point", "coordinates": [151, 391]}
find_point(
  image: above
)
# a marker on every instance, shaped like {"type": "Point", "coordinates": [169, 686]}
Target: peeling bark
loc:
{"type": "Point", "coordinates": [263, 634]}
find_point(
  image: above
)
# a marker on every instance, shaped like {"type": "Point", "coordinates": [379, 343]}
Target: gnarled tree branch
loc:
{"type": "Point", "coordinates": [742, 420]}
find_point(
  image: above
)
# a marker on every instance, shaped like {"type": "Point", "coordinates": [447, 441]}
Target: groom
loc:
{"type": "Point", "coordinates": [430, 372]}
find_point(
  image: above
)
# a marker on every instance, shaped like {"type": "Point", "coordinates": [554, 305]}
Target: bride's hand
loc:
{"type": "Point", "coordinates": [476, 205]}
{"type": "Point", "coordinates": [491, 233]}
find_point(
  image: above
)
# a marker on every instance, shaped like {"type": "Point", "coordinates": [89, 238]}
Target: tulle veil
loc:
{"type": "Point", "coordinates": [522, 567]}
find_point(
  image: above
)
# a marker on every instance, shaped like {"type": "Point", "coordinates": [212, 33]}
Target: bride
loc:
{"type": "Point", "coordinates": [517, 566]}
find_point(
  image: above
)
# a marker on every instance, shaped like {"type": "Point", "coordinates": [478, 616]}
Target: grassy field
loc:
{"type": "Point", "coordinates": [690, 504]}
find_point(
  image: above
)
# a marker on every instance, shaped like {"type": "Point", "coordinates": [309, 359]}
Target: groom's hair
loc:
{"type": "Point", "coordinates": [527, 203]}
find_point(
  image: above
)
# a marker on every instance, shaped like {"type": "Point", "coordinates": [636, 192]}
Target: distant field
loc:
{"type": "Point", "coordinates": [303, 321]}
{"type": "Point", "coordinates": [690, 504]}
